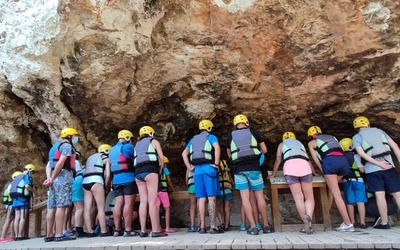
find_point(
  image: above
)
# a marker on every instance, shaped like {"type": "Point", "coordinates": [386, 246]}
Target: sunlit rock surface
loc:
{"type": "Point", "coordinates": [102, 66]}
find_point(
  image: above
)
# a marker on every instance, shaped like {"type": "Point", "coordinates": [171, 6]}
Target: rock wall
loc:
{"type": "Point", "coordinates": [101, 66]}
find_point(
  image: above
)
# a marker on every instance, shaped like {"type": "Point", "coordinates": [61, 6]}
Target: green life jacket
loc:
{"type": "Point", "coordinates": [7, 199]}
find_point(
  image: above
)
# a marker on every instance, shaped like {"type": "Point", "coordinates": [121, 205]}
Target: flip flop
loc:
{"type": "Point", "coordinates": [6, 240]}
{"type": "Point", "coordinates": [304, 231]}
{"type": "Point", "coordinates": [307, 224]}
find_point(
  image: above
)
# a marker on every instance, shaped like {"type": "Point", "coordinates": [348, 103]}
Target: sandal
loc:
{"type": "Point", "coordinates": [307, 224]}
{"type": "Point", "coordinates": [63, 238]}
{"type": "Point", "coordinates": [143, 234]}
{"type": "Point", "coordinates": [48, 239]}
{"type": "Point", "coordinates": [129, 233]}
{"type": "Point", "coordinates": [304, 231]}
{"type": "Point", "coordinates": [216, 230]}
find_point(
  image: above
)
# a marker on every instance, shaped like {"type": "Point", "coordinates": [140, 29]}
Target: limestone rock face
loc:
{"type": "Point", "coordinates": [102, 66]}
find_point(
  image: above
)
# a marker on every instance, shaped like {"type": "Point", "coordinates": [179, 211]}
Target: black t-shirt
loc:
{"type": "Point", "coordinates": [251, 163]}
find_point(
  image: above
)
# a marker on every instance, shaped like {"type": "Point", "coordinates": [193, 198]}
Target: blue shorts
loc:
{"type": "Point", "coordinates": [249, 180]}
{"type": "Point", "coordinates": [77, 190]}
{"type": "Point", "coordinates": [290, 179]}
{"type": "Point", "coordinates": [354, 191]}
{"type": "Point", "coordinates": [21, 202]}
{"type": "Point", "coordinates": [384, 180]}
{"type": "Point", "coordinates": [225, 195]}
{"type": "Point", "coordinates": [335, 164]}
{"type": "Point", "coordinates": [206, 184]}
{"type": "Point", "coordinates": [142, 176]}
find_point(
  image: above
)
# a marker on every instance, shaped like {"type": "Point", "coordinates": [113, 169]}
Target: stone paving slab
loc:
{"type": "Point", "coordinates": [361, 239]}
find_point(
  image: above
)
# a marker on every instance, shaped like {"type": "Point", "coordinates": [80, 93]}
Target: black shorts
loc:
{"type": "Point", "coordinates": [125, 189]}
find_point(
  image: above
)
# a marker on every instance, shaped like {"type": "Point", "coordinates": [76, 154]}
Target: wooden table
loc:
{"type": "Point", "coordinates": [321, 220]}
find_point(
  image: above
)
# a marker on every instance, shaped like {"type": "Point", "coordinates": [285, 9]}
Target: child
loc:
{"type": "Point", "coordinates": [193, 201]}
{"type": "Point", "coordinates": [223, 200]}
{"type": "Point", "coordinates": [7, 201]}
{"type": "Point", "coordinates": [353, 184]}
{"type": "Point", "coordinates": [164, 186]}
{"type": "Point", "coordinates": [77, 197]}
{"type": "Point", "coordinates": [21, 191]}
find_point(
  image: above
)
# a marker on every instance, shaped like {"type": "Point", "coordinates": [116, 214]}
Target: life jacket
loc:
{"type": "Point", "coordinates": [144, 152]}
{"type": "Point", "coordinates": [243, 145]}
{"type": "Point", "coordinates": [119, 163]}
{"type": "Point", "coordinates": [354, 172]}
{"type": "Point", "coordinates": [292, 149]}
{"type": "Point", "coordinates": [201, 149]}
{"type": "Point", "coordinates": [55, 154]}
{"type": "Point", "coordinates": [224, 179]}
{"type": "Point", "coordinates": [374, 142]}
{"type": "Point", "coordinates": [94, 165]}
{"type": "Point", "coordinates": [190, 179]}
{"type": "Point", "coordinates": [18, 187]}
{"type": "Point", "coordinates": [327, 144]}
{"type": "Point", "coordinates": [163, 184]}
{"type": "Point", "coordinates": [7, 199]}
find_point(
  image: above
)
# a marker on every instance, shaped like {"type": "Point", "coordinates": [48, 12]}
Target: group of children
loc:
{"type": "Point", "coordinates": [142, 169]}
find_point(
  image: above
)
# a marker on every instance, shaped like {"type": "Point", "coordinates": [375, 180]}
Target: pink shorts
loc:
{"type": "Point", "coordinates": [164, 198]}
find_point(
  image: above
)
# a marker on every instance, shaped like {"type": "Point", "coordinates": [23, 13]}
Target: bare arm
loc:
{"type": "Point", "coordinates": [170, 183]}
{"type": "Point", "coordinates": [382, 164]}
{"type": "Point", "coordinates": [217, 154]}
{"type": "Point", "coordinates": [311, 148]}
{"type": "Point", "coordinates": [107, 172]}
{"type": "Point", "coordinates": [159, 151]}
{"type": "Point", "coordinates": [395, 148]}
{"type": "Point", "coordinates": [278, 160]}
{"type": "Point", "coordinates": [263, 147]}
{"type": "Point", "coordinates": [185, 157]}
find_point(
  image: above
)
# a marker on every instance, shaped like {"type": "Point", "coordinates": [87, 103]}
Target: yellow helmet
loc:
{"type": "Point", "coordinates": [361, 122]}
{"type": "Point", "coordinates": [240, 119]}
{"type": "Point", "coordinates": [288, 135]}
{"type": "Point", "coordinates": [146, 130]}
{"type": "Point", "coordinates": [313, 130]}
{"type": "Point", "coordinates": [15, 174]}
{"type": "Point", "coordinates": [123, 134]}
{"type": "Point", "coordinates": [346, 144]}
{"type": "Point", "coordinates": [68, 131]}
{"type": "Point", "coordinates": [30, 167]}
{"type": "Point", "coordinates": [206, 125]}
{"type": "Point", "coordinates": [104, 148]}
{"type": "Point", "coordinates": [166, 159]}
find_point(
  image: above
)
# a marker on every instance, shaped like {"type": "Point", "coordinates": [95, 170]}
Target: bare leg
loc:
{"type": "Point", "coordinates": [382, 206]}
{"type": "Point", "coordinates": [143, 204]}
{"type": "Point", "coordinates": [212, 211]}
{"type": "Point", "coordinates": [60, 219]}
{"type": "Point", "coordinates": [51, 213]}
{"type": "Point", "coordinates": [332, 182]}
{"type": "Point", "coordinates": [262, 205]}
{"type": "Point", "coordinates": [152, 189]}
{"type": "Point", "coordinates": [88, 201]}
{"type": "Point", "coordinates": [350, 210]}
{"type": "Point", "coordinates": [117, 212]}
{"type": "Point", "coordinates": [99, 196]}
{"type": "Point", "coordinates": [192, 209]}
{"type": "Point", "coordinates": [202, 211]}
{"type": "Point", "coordinates": [245, 196]}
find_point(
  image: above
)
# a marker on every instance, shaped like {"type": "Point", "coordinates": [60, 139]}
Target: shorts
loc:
{"type": "Point", "coordinates": [88, 186]}
{"type": "Point", "coordinates": [354, 191]}
{"type": "Point", "coordinates": [384, 180]}
{"type": "Point", "coordinates": [21, 202]}
{"type": "Point", "coordinates": [191, 189]}
{"type": "Point", "coordinates": [60, 192]}
{"type": "Point", "coordinates": [335, 164]}
{"type": "Point", "coordinates": [249, 180]}
{"type": "Point", "coordinates": [125, 189]}
{"type": "Point", "coordinates": [10, 208]}
{"type": "Point", "coordinates": [163, 197]}
{"type": "Point", "coordinates": [294, 179]}
{"type": "Point", "coordinates": [225, 195]}
{"type": "Point", "coordinates": [142, 176]}
{"type": "Point", "coordinates": [206, 185]}
{"type": "Point", "coordinates": [77, 190]}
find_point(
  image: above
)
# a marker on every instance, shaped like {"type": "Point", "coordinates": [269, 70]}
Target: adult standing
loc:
{"type": "Point", "coordinates": [297, 171]}
{"type": "Point", "coordinates": [328, 156]}
{"type": "Point", "coordinates": [202, 155]}
{"type": "Point", "coordinates": [95, 180]}
{"type": "Point", "coordinates": [124, 185]}
{"type": "Point", "coordinates": [149, 160]}
{"type": "Point", "coordinates": [375, 147]}
{"type": "Point", "coordinates": [246, 150]}
{"type": "Point", "coordinates": [59, 181]}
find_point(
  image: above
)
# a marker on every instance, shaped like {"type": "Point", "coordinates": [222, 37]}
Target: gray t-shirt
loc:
{"type": "Point", "coordinates": [370, 167]}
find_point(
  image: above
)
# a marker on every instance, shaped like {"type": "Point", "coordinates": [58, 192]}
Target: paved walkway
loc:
{"type": "Point", "coordinates": [361, 239]}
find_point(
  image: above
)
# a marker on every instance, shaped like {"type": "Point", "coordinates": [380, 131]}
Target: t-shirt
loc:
{"type": "Point", "coordinates": [251, 163]}
{"type": "Point", "coordinates": [368, 166]}
{"type": "Point", "coordinates": [204, 168]}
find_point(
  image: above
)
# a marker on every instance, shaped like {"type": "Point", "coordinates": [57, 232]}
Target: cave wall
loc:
{"type": "Point", "coordinates": [102, 66]}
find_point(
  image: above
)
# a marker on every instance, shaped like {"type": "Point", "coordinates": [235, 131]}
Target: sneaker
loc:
{"type": "Point", "coordinates": [202, 231]}
{"type": "Point", "coordinates": [242, 227]}
{"type": "Point", "coordinates": [105, 234]}
{"type": "Point", "coordinates": [158, 234]}
{"type": "Point", "coordinates": [63, 238]}
{"type": "Point", "coordinates": [381, 226]}
{"type": "Point", "coordinates": [259, 226]}
{"type": "Point", "coordinates": [345, 228]}
{"type": "Point", "coordinates": [129, 233]}
{"type": "Point", "coordinates": [216, 230]}
{"type": "Point", "coordinates": [378, 221]}
{"type": "Point", "coordinates": [267, 229]}
{"type": "Point", "coordinates": [253, 231]}
{"type": "Point", "coordinates": [363, 226]}
{"type": "Point", "coordinates": [192, 229]}
{"type": "Point", "coordinates": [80, 234]}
